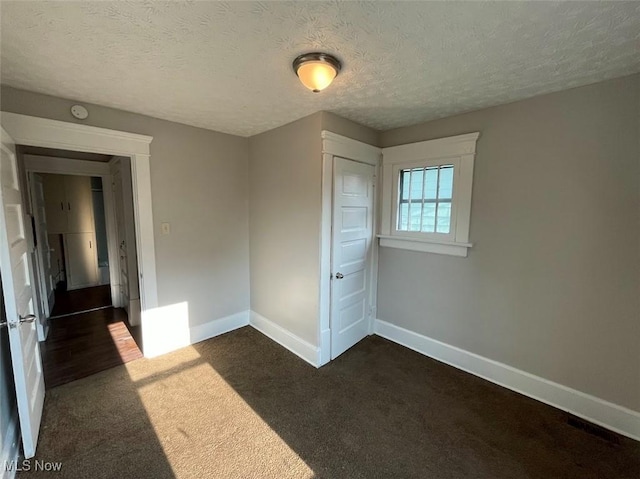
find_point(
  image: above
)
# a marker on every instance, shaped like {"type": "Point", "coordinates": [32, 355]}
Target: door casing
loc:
{"type": "Point", "coordinates": [47, 133]}
{"type": "Point", "coordinates": [341, 146]}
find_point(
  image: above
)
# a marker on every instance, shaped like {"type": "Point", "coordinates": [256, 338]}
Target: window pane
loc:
{"type": "Point", "coordinates": [425, 193]}
{"type": "Point", "coordinates": [416, 183]}
{"type": "Point", "coordinates": [402, 217]}
{"type": "Point", "coordinates": [445, 186]}
{"type": "Point", "coordinates": [414, 217]}
{"type": "Point", "coordinates": [429, 218]}
{"type": "Point", "coordinates": [431, 184]}
{"type": "Point", "coordinates": [444, 218]}
{"type": "Point", "coordinates": [404, 184]}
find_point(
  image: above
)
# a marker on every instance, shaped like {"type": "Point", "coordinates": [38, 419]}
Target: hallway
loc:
{"type": "Point", "coordinates": [84, 344]}
{"type": "Point", "coordinates": [79, 300]}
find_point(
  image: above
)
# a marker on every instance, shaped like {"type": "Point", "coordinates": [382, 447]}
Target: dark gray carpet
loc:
{"type": "Point", "coordinates": [240, 406]}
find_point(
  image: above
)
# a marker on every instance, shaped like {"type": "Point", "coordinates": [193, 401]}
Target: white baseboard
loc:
{"type": "Point", "coordinates": [293, 343]}
{"type": "Point", "coordinates": [325, 349]}
{"type": "Point", "coordinates": [219, 326]}
{"type": "Point", "coordinates": [10, 448]}
{"type": "Point", "coordinates": [609, 415]}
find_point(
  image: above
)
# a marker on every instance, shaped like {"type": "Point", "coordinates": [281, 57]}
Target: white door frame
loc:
{"type": "Point", "coordinates": [43, 132]}
{"type": "Point", "coordinates": [338, 145]}
{"type": "Point", "coordinates": [66, 166]}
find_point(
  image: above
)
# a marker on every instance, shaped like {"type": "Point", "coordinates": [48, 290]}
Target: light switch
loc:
{"type": "Point", "coordinates": [165, 228]}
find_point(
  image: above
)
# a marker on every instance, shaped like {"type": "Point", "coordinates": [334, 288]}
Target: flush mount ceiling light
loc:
{"type": "Point", "coordinates": [316, 70]}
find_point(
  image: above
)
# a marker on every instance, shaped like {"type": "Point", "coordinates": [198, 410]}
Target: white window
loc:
{"type": "Point", "coordinates": [426, 195]}
{"type": "Point", "coordinates": [424, 199]}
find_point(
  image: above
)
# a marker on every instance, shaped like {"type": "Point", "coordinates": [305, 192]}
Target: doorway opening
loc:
{"type": "Point", "coordinates": [85, 261]}
{"type": "Point", "coordinates": [71, 243]}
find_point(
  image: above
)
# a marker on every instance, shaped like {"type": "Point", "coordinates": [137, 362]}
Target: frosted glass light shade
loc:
{"type": "Point", "coordinates": [316, 70]}
{"type": "Point", "coordinates": [316, 76]}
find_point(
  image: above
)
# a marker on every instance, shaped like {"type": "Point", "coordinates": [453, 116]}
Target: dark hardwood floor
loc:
{"type": "Point", "coordinates": [69, 302]}
{"type": "Point", "coordinates": [87, 343]}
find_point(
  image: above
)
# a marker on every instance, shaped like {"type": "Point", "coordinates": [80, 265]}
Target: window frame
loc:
{"type": "Point", "coordinates": [458, 151]}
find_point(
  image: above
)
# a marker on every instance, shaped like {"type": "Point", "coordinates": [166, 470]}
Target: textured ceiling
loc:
{"type": "Point", "coordinates": [227, 65]}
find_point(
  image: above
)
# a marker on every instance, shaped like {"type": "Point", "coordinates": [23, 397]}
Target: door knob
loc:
{"type": "Point", "coordinates": [339, 275]}
{"type": "Point", "coordinates": [29, 318]}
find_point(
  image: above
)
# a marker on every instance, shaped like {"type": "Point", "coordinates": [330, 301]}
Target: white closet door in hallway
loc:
{"type": "Point", "coordinates": [69, 212]}
{"type": "Point", "coordinates": [81, 259]}
{"type": "Point", "coordinates": [80, 204]}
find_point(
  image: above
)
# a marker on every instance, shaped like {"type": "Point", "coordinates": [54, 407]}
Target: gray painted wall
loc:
{"type": "Point", "coordinates": [552, 284]}
{"type": "Point", "coordinates": [285, 178]}
{"type": "Point", "coordinates": [199, 184]}
{"type": "Point", "coordinates": [284, 214]}
{"type": "Point", "coordinates": [336, 124]}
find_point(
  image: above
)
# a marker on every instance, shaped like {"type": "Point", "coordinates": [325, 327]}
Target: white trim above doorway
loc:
{"type": "Point", "coordinates": [46, 133]}
{"type": "Point", "coordinates": [43, 132]}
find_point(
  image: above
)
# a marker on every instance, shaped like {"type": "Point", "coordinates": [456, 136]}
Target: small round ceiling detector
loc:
{"type": "Point", "coordinates": [80, 112]}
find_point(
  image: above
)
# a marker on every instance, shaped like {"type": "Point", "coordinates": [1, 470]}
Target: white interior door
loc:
{"type": "Point", "coordinates": [43, 249]}
{"type": "Point", "coordinates": [79, 204]}
{"type": "Point", "coordinates": [82, 260]}
{"type": "Point", "coordinates": [125, 221]}
{"type": "Point", "coordinates": [56, 204]}
{"type": "Point", "coordinates": [351, 258]}
{"type": "Point", "coordinates": [118, 196]}
{"type": "Point", "coordinates": [16, 272]}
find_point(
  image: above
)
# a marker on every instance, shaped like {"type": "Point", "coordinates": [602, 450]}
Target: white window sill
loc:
{"type": "Point", "coordinates": [425, 246]}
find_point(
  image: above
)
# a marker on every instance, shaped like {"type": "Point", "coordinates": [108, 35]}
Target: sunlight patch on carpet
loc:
{"type": "Point", "coordinates": [187, 401]}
